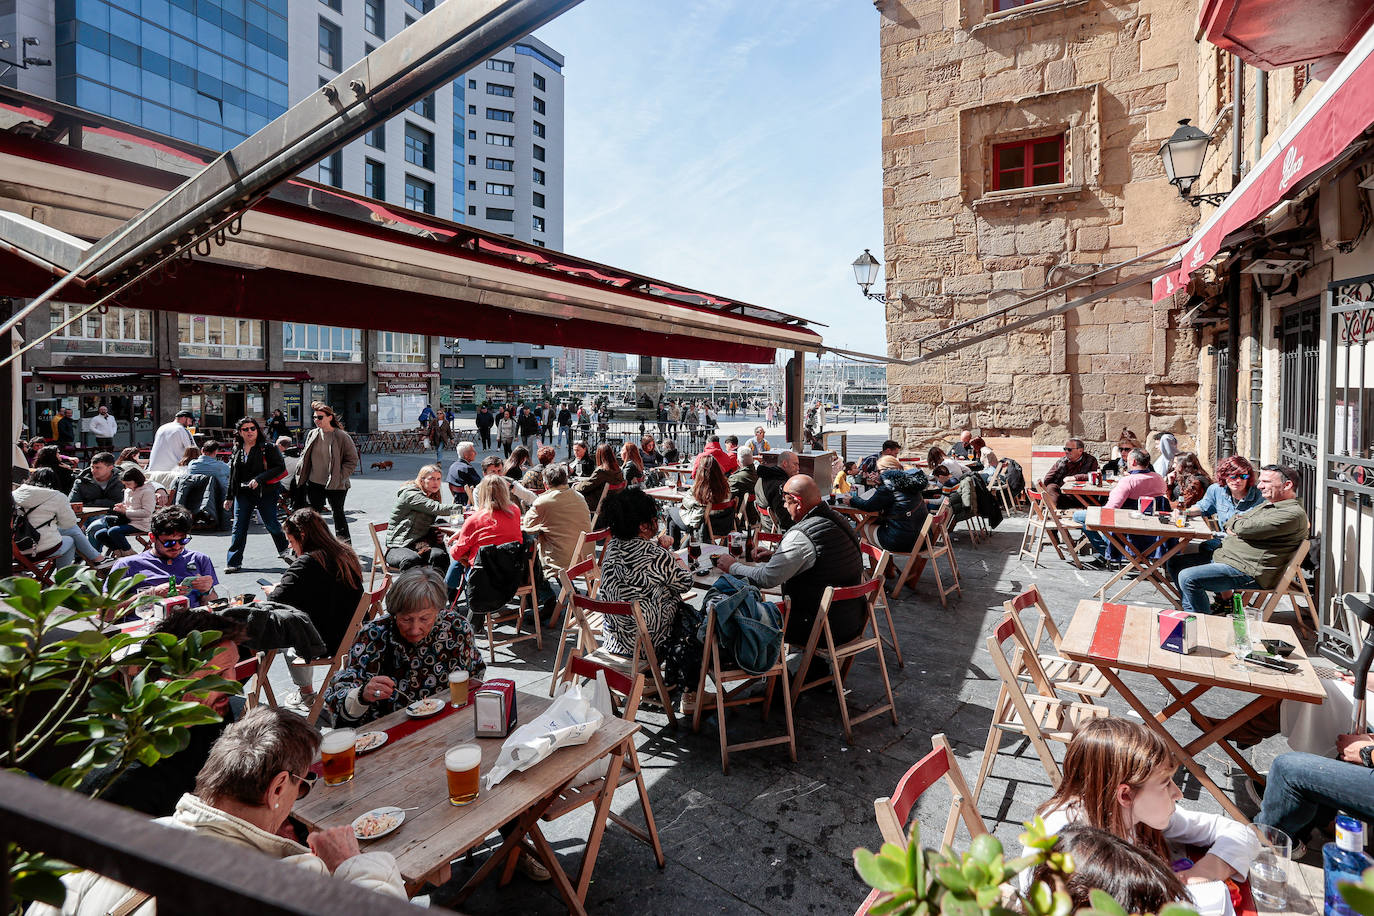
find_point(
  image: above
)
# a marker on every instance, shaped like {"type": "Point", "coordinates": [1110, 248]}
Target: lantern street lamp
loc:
{"type": "Point", "coordinates": [866, 273]}
{"type": "Point", "coordinates": [1183, 154]}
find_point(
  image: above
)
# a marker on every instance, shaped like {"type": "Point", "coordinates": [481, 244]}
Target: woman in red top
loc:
{"type": "Point", "coordinates": [496, 521]}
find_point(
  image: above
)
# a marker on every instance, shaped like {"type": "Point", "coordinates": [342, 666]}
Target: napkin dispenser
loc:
{"type": "Point", "coordinates": [495, 708]}
{"type": "Point", "coordinates": [1178, 631]}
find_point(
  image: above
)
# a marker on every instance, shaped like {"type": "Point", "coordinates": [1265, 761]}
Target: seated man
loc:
{"type": "Point", "coordinates": [1257, 546]}
{"type": "Point", "coordinates": [819, 549]}
{"type": "Point", "coordinates": [744, 479]}
{"type": "Point", "coordinates": [168, 557]}
{"type": "Point", "coordinates": [406, 654]}
{"type": "Point", "coordinates": [1305, 790]}
{"type": "Point", "coordinates": [869, 466]}
{"type": "Point", "coordinates": [98, 486]}
{"type": "Point", "coordinates": [1140, 481]}
{"type": "Point", "coordinates": [768, 492]}
{"type": "Point", "coordinates": [759, 443]}
{"type": "Point", "coordinates": [732, 445]}
{"type": "Point", "coordinates": [1076, 464]}
{"type": "Point", "coordinates": [963, 449]}
{"type": "Point", "coordinates": [209, 465]}
{"type": "Point", "coordinates": [462, 478]}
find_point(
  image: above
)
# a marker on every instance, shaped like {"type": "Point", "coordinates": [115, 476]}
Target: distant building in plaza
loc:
{"type": "Point", "coordinates": [477, 371]}
{"type": "Point", "coordinates": [211, 74]}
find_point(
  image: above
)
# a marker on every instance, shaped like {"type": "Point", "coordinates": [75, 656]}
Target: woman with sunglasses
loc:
{"type": "Point", "coordinates": [256, 771]}
{"type": "Point", "coordinates": [255, 470]}
{"type": "Point", "coordinates": [327, 461]}
{"type": "Point", "coordinates": [1234, 493]}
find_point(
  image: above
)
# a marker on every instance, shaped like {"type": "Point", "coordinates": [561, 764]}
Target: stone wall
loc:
{"type": "Point", "coordinates": [1113, 78]}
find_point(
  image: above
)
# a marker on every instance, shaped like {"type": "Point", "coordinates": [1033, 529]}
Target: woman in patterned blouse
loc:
{"type": "Point", "coordinates": [638, 566]}
{"type": "Point", "coordinates": [404, 655]}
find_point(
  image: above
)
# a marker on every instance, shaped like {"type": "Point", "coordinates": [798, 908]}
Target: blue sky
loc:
{"type": "Point", "coordinates": [729, 145]}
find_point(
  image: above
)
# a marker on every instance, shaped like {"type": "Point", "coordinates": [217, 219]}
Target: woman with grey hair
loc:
{"type": "Point", "coordinates": [406, 654]}
{"type": "Point", "coordinates": [256, 771]}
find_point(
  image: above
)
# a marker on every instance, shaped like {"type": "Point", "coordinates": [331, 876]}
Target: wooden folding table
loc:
{"type": "Point", "coordinates": [1118, 637]}
{"type": "Point", "coordinates": [1117, 525]}
{"type": "Point", "coordinates": [1089, 494]}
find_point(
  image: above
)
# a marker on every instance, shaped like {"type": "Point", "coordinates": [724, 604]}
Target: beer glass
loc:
{"type": "Point", "coordinates": [458, 687]}
{"type": "Point", "coordinates": [737, 544]}
{"type": "Point", "coordinates": [463, 764]}
{"type": "Point", "coordinates": [337, 755]}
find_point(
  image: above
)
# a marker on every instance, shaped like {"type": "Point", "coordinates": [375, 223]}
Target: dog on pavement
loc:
{"type": "Point", "coordinates": [381, 465]}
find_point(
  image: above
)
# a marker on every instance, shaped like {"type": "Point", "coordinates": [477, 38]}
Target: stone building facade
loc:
{"type": "Point", "coordinates": [963, 82]}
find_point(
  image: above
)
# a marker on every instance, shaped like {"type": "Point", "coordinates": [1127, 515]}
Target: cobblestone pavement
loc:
{"type": "Point", "coordinates": [776, 836]}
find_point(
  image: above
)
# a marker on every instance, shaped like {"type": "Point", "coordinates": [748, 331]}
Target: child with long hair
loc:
{"type": "Point", "coordinates": [1137, 879]}
{"type": "Point", "coordinates": [1119, 777]}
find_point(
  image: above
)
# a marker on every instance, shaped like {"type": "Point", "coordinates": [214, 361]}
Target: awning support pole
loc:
{"type": "Point", "coordinates": [794, 392]}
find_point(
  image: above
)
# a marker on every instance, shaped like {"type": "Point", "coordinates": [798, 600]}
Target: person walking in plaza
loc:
{"type": "Point", "coordinates": [103, 428]}
{"type": "Point", "coordinates": [546, 418]}
{"type": "Point", "coordinates": [327, 462]}
{"type": "Point", "coordinates": [528, 428]}
{"type": "Point", "coordinates": [256, 470]}
{"type": "Point", "coordinates": [505, 431]}
{"type": "Point", "coordinates": [674, 418]}
{"type": "Point", "coordinates": [770, 414]}
{"type": "Point", "coordinates": [565, 421]}
{"type": "Point", "coordinates": [440, 433]}
{"type": "Point", "coordinates": [425, 416]}
{"type": "Point", "coordinates": [170, 442]}
{"type": "Point", "coordinates": [484, 421]}
{"type": "Point", "coordinates": [276, 425]}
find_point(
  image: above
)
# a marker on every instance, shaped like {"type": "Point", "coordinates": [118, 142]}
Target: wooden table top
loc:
{"type": "Point", "coordinates": [409, 772]}
{"type": "Point", "coordinates": [675, 468]}
{"type": "Point", "coordinates": [1086, 489]}
{"type": "Point", "coordinates": [1122, 521]}
{"type": "Point", "coordinates": [1135, 647]}
{"type": "Point", "coordinates": [667, 494]}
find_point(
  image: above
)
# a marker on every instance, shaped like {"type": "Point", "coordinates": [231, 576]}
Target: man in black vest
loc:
{"type": "Point", "coordinates": [820, 549]}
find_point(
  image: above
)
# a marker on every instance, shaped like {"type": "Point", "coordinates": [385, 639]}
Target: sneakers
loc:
{"type": "Point", "coordinates": [296, 698]}
{"type": "Point", "coordinates": [687, 703]}
{"type": "Point", "coordinates": [232, 569]}
{"type": "Point", "coordinates": [1252, 792]}
{"type": "Point", "coordinates": [287, 556]}
{"type": "Point", "coordinates": [532, 868]}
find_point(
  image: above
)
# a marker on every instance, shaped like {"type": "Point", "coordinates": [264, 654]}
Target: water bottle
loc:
{"type": "Point", "coordinates": [1343, 860]}
{"type": "Point", "coordinates": [1240, 625]}
{"type": "Point", "coordinates": [191, 573]}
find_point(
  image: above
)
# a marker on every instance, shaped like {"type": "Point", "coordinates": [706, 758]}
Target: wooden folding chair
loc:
{"type": "Point", "coordinates": [880, 560]}
{"type": "Point", "coordinates": [723, 537]}
{"type": "Point", "coordinates": [931, 545]}
{"type": "Point", "coordinates": [1061, 674]}
{"type": "Point", "coordinates": [376, 529]}
{"type": "Point", "coordinates": [1046, 526]}
{"type": "Point", "coordinates": [642, 658]}
{"type": "Point", "coordinates": [725, 696]}
{"type": "Point", "coordinates": [894, 811]}
{"type": "Point", "coordinates": [841, 658]}
{"type": "Point", "coordinates": [583, 637]}
{"type": "Point", "coordinates": [525, 597]}
{"type": "Point", "coordinates": [40, 566]}
{"type": "Point", "coordinates": [369, 606]}
{"type": "Point", "coordinates": [606, 490]}
{"type": "Point", "coordinates": [250, 670]}
{"type": "Point", "coordinates": [1291, 585]}
{"type": "Point", "coordinates": [1002, 490]}
{"type": "Point", "coordinates": [624, 769]}
{"type": "Point", "coordinates": [1040, 718]}
{"type": "Point", "coordinates": [591, 544]}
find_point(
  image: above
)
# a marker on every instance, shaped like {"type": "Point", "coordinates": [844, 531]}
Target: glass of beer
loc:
{"type": "Point", "coordinates": [337, 755]}
{"type": "Point", "coordinates": [458, 687]}
{"type": "Point", "coordinates": [463, 764]}
{"type": "Point", "coordinates": [737, 544]}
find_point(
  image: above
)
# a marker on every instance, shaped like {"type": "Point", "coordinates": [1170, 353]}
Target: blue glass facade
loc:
{"type": "Point", "coordinates": [460, 159]}
{"type": "Point", "coordinates": [206, 71]}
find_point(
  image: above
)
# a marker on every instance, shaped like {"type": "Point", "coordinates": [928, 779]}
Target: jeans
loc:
{"type": "Point", "coordinates": [316, 495]}
{"type": "Point", "coordinates": [1304, 790]}
{"type": "Point", "coordinates": [82, 543]}
{"type": "Point", "coordinates": [457, 572]}
{"type": "Point", "coordinates": [506, 446]}
{"type": "Point", "coordinates": [564, 434]}
{"type": "Point", "coordinates": [263, 501]}
{"type": "Point", "coordinates": [1201, 577]}
{"type": "Point", "coordinates": [1095, 538]}
{"type": "Point", "coordinates": [1182, 561]}
{"type": "Point", "coordinates": [107, 533]}
{"type": "Point", "coordinates": [438, 451]}
{"type": "Point", "coordinates": [485, 436]}
{"type": "Point", "coordinates": [530, 442]}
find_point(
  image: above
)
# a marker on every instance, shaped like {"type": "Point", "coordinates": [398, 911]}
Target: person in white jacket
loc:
{"type": "Point", "coordinates": [49, 512]}
{"type": "Point", "coordinates": [267, 747]}
{"type": "Point", "coordinates": [1119, 777]}
{"type": "Point", "coordinates": [171, 441]}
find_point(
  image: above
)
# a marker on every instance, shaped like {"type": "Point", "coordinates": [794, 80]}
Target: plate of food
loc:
{"type": "Point", "coordinates": [427, 707]}
{"type": "Point", "coordinates": [369, 741]}
{"type": "Point", "coordinates": [377, 823]}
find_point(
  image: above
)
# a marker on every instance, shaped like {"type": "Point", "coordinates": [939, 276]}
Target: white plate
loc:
{"type": "Point", "coordinates": [370, 741]}
{"type": "Point", "coordinates": [427, 707]}
{"type": "Point", "coordinates": [397, 814]}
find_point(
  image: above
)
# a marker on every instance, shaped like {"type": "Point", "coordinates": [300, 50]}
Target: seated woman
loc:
{"type": "Point", "coordinates": [133, 515]}
{"type": "Point", "coordinates": [49, 457]}
{"type": "Point", "coordinates": [517, 464]}
{"type": "Point", "coordinates": [607, 472]}
{"type": "Point", "coordinates": [632, 464]}
{"type": "Point", "coordinates": [256, 771]}
{"type": "Point", "coordinates": [1119, 777]}
{"type": "Point", "coordinates": [988, 459]}
{"type": "Point", "coordinates": [410, 536]}
{"type": "Point", "coordinates": [710, 487]}
{"type": "Point", "coordinates": [325, 580]}
{"type": "Point", "coordinates": [1185, 465]}
{"type": "Point", "coordinates": [1137, 879]}
{"type": "Point", "coordinates": [129, 458]}
{"type": "Point", "coordinates": [534, 477]}
{"type": "Point", "coordinates": [901, 502]}
{"type": "Point", "coordinates": [404, 655]}
{"type": "Point", "coordinates": [935, 457]}
{"type": "Point", "coordinates": [843, 470]}
{"type": "Point", "coordinates": [495, 521]}
{"type": "Point", "coordinates": [582, 464]}
{"type": "Point", "coordinates": [638, 566]}
{"type": "Point", "coordinates": [670, 453]}
{"type": "Point", "coordinates": [1233, 493]}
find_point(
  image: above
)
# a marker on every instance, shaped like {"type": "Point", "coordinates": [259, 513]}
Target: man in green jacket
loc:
{"type": "Point", "coordinates": [1257, 546]}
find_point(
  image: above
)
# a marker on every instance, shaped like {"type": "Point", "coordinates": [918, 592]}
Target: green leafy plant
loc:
{"type": "Point", "coordinates": [121, 697]}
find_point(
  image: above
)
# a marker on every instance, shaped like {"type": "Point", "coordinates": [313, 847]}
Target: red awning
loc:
{"type": "Point", "coordinates": [1341, 111]}
{"type": "Point", "coordinates": [1272, 34]}
{"type": "Point", "coordinates": [77, 374]}
{"type": "Point", "coordinates": [247, 375]}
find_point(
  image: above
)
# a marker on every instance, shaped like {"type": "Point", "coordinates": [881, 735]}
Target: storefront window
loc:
{"type": "Point", "coordinates": [219, 338]}
{"type": "Point", "coordinates": [321, 343]}
{"type": "Point", "coordinates": [219, 407]}
{"type": "Point", "coordinates": [394, 347]}
{"type": "Point", "coordinates": [118, 332]}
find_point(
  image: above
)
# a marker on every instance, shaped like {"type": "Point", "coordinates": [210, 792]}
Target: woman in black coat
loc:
{"type": "Point", "coordinates": [255, 471]}
{"type": "Point", "coordinates": [902, 503]}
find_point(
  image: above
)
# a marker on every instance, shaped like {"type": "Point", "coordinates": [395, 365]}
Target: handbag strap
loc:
{"type": "Point", "coordinates": [133, 901]}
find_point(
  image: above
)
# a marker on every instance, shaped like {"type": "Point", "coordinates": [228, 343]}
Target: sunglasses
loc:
{"type": "Point", "coordinates": [307, 783]}
{"type": "Point", "coordinates": [319, 416]}
{"type": "Point", "coordinates": [182, 542]}
{"type": "Point", "coordinates": [790, 498]}
{"type": "Point", "coordinates": [1072, 448]}
{"type": "Point", "coordinates": [248, 429]}
{"type": "Point", "coordinates": [1240, 477]}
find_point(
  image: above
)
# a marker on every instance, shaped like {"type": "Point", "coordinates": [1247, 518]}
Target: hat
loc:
{"type": "Point", "coordinates": [186, 413]}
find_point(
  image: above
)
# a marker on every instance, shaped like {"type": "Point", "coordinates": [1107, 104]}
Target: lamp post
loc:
{"type": "Point", "coordinates": [866, 273]}
{"type": "Point", "coordinates": [1183, 154]}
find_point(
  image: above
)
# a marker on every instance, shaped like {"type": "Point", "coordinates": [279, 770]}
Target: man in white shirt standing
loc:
{"type": "Point", "coordinates": [171, 442]}
{"type": "Point", "coordinates": [104, 427]}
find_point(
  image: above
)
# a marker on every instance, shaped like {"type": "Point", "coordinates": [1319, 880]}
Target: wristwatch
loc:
{"type": "Point", "coordinates": [1367, 755]}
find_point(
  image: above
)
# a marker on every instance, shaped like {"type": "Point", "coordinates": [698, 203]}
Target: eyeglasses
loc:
{"type": "Point", "coordinates": [791, 498]}
{"type": "Point", "coordinates": [307, 783]}
{"type": "Point", "coordinates": [1072, 448]}
{"type": "Point", "coordinates": [176, 542]}
{"type": "Point", "coordinates": [1240, 477]}
{"type": "Point", "coordinates": [320, 416]}
{"type": "Point", "coordinates": [248, 429]}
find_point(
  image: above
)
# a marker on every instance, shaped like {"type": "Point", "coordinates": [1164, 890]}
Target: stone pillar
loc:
{"type": "Point", "coordinates": [649, 387]}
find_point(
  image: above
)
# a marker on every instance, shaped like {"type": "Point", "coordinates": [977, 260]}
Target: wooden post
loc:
{"type": "Point", "coordinates": [794, 395]}
{"type": "Point", "coordinates": [8, 433]}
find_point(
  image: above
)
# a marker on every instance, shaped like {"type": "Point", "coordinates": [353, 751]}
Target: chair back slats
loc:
{"type": "Point", "coordinates": [1029, 598]}
{"type": "Point", "coordinates": [722, 507]}
{"type": "Point", "coordinates": [1005, 630]}
{"type": "Point", "coordinates": [580, 666]}
{"type": "Point", "coordinates": [893, 813]}
{"type": "Point", "coordinates": [769, 537]}
{"type": "Point", "coordinates": [922, 775]}
{"type": "Point", "coordinates": [614, 608]}
{"type": "Point", "coordinates": [861, 590]}
{"type": "Point", "coordinates": [578, 570]}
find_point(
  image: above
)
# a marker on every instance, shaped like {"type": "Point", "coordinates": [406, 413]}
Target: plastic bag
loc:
{"type": "Point", "coordinates": [601, 702]}
{"type": "Point", "coordinates": [570, 720]}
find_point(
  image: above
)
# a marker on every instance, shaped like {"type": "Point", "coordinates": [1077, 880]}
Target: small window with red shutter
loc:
{"type": "Point", "coordinates": [1028, 163]}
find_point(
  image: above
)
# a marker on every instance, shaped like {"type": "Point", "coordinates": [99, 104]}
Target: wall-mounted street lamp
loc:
{"type": "Point", "coordinates": [1183, 154]}
{"type": "Point", "coordinates": [24, 62]}
{"type": "Point", "coordinates": [866, 274]}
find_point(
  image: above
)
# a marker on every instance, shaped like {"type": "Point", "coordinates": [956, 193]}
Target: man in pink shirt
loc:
{"type": "Point", "coordinates": [1140, 481]}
